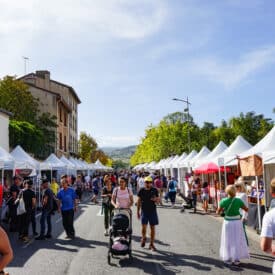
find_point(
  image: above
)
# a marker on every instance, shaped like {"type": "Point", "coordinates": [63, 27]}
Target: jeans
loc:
{"type": "Point", "coordinates": [45, 216]}
{"type": "Point", "coordinates": [172, 196]}
{"type": "Point", "coordinates": [68, 222]}
{"type": "Point", "coordinates": [194, 202]}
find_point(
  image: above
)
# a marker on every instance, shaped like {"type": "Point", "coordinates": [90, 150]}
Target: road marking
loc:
{"type": "Point", "coordinates": [27, 244]}
{"type": "Point", "coordinates": [57, 221]}
{"type": "Point", "coordinates": [100, 214]}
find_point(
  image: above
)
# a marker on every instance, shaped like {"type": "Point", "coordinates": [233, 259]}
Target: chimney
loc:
{"type": "Point", "coordinates": [45, 75]}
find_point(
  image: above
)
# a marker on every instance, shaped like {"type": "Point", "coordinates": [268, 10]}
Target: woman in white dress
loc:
{"type": "Point", "coordinates": [233, 246]}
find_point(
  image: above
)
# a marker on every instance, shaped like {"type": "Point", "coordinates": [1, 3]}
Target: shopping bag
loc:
{"type": "Point", "coordinates": [21, 209]}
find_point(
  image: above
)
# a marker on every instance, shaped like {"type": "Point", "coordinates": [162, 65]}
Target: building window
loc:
{"type": "Point", "coordinates": [60, 141]}
{"type": "Point", "coordinates": [60, 114]}
{"type": "Point", "coordinates": [65, 144]}
{"type": "Point", "coordinates": [65, 119]}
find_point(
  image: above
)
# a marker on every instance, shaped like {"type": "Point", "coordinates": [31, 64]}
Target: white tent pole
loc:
{"type": "Point", "coordinates": [258, 203]}
{"type": "Point", "coordinates": [225, 176]}
{"type": "Point", "coordinates": [265, 189]}
{"type": "Point", "coordinates": [2, 182]}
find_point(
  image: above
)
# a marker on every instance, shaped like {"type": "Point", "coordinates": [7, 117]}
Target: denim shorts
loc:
{"type": "Point", "coordinates": [151, 218]}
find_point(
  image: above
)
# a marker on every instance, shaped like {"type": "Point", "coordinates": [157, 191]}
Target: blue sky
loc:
{"type": "Point", "coordinates": [128, 58]}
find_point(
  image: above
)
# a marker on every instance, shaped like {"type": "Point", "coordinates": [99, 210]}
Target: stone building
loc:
{"type": "Point", "coordinates": [62, 101]}
{"type": "Point", "coordinates": [4, 129]}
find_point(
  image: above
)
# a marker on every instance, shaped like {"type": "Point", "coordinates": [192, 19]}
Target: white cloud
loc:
{"type": "Point", "coordinates": [233, 74]}
{"type": "Point", "coordinates": [52, 29]}
{"type": "Point", "coordinates": [117, 141]}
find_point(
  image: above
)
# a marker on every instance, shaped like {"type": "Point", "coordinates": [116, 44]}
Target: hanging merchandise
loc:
{"type": "Point", "coordinates": [251, 166]}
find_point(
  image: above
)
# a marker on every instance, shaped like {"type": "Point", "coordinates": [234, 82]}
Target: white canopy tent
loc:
{"type": "Point", "coordinates": [185, 163]}
{"type": "Point", "coordinates": [24, 161]}
{"type": "Point", "coordinates": [6, 159]}
{"type": "Point", "coordinates": [71, 168]}
{"type": "Point", "coordinates": [238, 146]}
{"type": "Point", "coordinates": [204, 152]}
{"type": "Point", "coordinates": [217, 151]}
{"type": "Point", "coordinates": [175, 163]}
{"type": "Point", "coordinates": [6, 162]}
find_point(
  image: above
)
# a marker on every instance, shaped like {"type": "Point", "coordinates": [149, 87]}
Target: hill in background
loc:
{"type": "Point", "coordinates": [117, 153]}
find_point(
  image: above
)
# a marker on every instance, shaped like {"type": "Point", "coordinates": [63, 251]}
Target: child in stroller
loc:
{"type": "Point", "coordinates": [120, 241]}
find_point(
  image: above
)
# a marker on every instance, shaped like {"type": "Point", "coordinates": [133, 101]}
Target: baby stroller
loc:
{"type": "Point", "coordinates": [120, 241]}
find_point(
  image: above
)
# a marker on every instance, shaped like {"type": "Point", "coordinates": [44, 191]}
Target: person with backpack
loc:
{"type": "Point", "coordinates": [172, 190]}
{"type": "Point", "coordinates": [46, 215]}
{"type": "Point", "coordinates": [122, 195]}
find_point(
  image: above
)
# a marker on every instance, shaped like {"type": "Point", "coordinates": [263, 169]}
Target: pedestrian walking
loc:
{"type": "Point", "coordinates": [25, 219]}
{"type": "Point", "coordinates": [79, 187]}
{"type": "Point", "coordinates": [122, 195]}
{"type": "Point", "coordinates": [46, 214]}
{"type": "Point", "coordinates": [195, 185]}
{"type": "Point", "coordinates": [233, 245]}
{"type": "Point", "coordinates": [67, 205]}
{"type": "Point", "coordinates": [107, 192]}
{"type": "Point", "coordinates": [148, 197]}
{"type": "Point", "coordinates": [172, 190]}
{"type": "Point", "coordinates": [205, 196]}
{"type": "Point", "coordinates": [159, 185]}
{"type": "Point", "coordinates": [5, 251]}
{"type": "Point", "coordinates": [96, 187]}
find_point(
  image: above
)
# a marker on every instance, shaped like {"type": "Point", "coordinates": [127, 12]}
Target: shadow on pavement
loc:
{"type": "Point", "coordinates": [173, 263]}
{"type": "Point", "coordinates": [23, 252]}
{"type": "Point", "coordinates": [136, 238]}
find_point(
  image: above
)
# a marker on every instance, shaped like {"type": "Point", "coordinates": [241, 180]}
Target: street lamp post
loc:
{"type": "Point", "coordinates": [188, 118]}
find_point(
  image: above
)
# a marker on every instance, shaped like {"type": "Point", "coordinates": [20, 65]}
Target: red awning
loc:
{"type": "Point", "coordinates": [209, 168]}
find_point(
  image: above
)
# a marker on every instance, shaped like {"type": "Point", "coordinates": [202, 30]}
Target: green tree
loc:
{"type": "Point", "coordinates": [87, 146]}
{"type": "Point", "coordinates": [15, 97]}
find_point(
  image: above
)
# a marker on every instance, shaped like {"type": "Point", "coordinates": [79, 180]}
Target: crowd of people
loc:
{"type": "Point", "coordinates": [116, 191]}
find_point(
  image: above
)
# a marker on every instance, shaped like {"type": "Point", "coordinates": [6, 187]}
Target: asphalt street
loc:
{"type": "Point", "coordinates": [186, 243]}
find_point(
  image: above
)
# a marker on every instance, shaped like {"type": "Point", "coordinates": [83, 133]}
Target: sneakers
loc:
{"type": "Point", "coordinates": [48, 236]}
{"type": "Point", "coordinates": [40, 238]}
{"type": "Point", "coordinates": [227, 263]}
{"type": "Point", "coordinates": [25, 239]}
{"type": "Point", "coordinates": [236, 263]}
{"type": "Point", "coordinates": [106, 233]}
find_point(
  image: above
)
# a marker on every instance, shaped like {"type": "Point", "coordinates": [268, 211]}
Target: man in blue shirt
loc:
{"type": "Point", "coordinates": [67, 206]}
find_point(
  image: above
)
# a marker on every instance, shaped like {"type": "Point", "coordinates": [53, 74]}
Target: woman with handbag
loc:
{"type": "Point", "coordinates": [107, 192]}
{"type": "Point", "coordinates": [233, 246]}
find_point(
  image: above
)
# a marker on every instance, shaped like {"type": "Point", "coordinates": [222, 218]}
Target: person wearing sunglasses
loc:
{"type": "Point", "coordinates": [148, 197]}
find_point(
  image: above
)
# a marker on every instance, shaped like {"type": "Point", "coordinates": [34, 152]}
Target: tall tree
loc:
{"type": "Point", "coordinates": [87, 146]}
{"type": "Point", "coordinates": [15, 97]}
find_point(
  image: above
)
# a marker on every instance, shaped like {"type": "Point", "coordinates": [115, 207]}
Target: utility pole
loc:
{"type": "Point", "coordinates": [26, 59]}
{"type": "Point", "coordinates": [188, 103]}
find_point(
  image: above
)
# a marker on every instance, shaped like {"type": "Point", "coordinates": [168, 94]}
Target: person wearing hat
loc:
{"type": "Point", "coordinates": [148, 197]}
{"type": "Point", "coordinates": [25, 219]}
{"type": "Point", "coordinates": [47, 207]}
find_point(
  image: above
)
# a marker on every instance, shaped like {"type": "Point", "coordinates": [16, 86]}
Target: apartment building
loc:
{"type": "Point", "coordinates": [62, 101]}
{"type": "Point", "coordinates": [4, 129]}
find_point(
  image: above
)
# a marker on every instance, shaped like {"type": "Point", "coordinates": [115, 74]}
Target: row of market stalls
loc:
{"type": "Point", "coordinates": [223, 165]}
{"type": "Point", "coordinates": [20, 162]}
